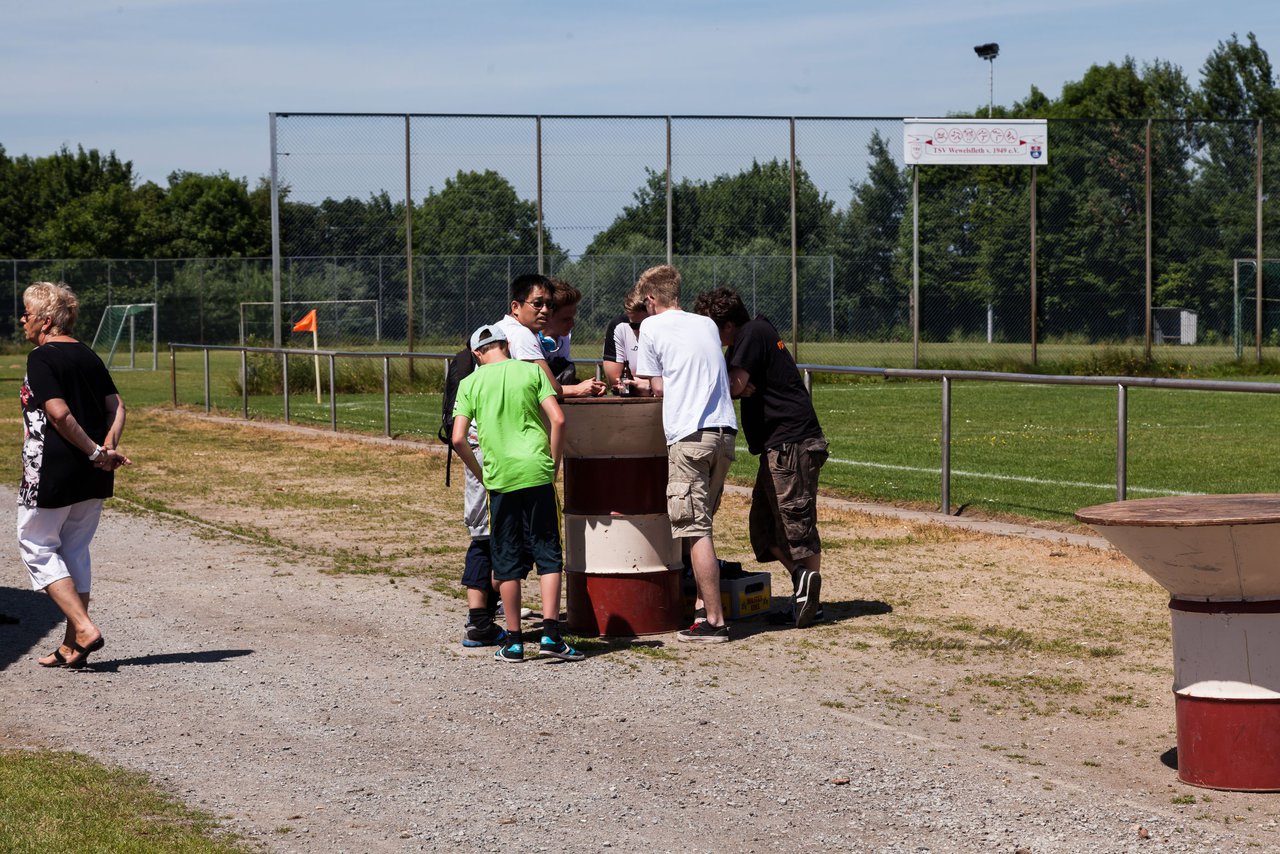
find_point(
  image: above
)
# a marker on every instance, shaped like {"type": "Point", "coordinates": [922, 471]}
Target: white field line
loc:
{"type": "Point", "coordinates": [1008, 477]}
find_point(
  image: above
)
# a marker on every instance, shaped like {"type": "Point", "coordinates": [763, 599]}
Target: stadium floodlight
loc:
{"type": "Point", "coordinates": [989, 52]}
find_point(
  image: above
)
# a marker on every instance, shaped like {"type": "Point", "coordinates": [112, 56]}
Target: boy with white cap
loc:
{"type": "Point", "coordinates": [508, 398]}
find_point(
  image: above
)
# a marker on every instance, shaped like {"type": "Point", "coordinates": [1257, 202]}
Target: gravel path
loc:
{"type": "Point", "coordinates": [320, 713]}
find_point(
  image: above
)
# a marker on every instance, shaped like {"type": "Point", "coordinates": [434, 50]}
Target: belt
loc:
{"type": "Point", "coordinates": [731, 431]}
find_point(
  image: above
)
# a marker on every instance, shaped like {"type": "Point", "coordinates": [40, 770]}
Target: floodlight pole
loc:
{"type": "Point", "coordinates": [991, 84]}
{"type": "Point", "coordinates": [989, 52]}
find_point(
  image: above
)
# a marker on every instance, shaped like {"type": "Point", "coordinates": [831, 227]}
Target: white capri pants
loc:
{"type": "Point", "coordinates": [54, 542]}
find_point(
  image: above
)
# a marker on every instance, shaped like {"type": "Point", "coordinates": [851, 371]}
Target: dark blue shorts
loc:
{"type": "Point", "coordinates": [477, 572]}
{"type": "Point", "coordinates": [525, 529]}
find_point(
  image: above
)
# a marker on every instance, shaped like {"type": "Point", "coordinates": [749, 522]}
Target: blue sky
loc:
{"type": "Point", "coordinates": [188, 84]}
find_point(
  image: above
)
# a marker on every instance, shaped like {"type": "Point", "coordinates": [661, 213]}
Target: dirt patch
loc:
{"type": "Point", "coordinates": [967, 691]}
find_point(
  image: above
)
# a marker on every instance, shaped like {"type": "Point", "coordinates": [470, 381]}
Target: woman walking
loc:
{"type": "Point", "coordinates": [73, 418]}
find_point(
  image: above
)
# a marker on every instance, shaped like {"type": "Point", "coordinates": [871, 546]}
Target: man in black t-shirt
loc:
{"type": "Point", "coordinates": [781, 428]}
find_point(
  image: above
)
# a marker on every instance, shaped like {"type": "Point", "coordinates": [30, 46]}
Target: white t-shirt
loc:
{"type": "Point", "coordinates": [684, 349]}
{"type": "Point", "coordinates": [521, 341]}
{"type": "Point", "coordinates": [626, 345]}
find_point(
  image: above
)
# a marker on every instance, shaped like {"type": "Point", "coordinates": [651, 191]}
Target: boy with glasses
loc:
{"type": "Point", "coordinates": [532, 304]}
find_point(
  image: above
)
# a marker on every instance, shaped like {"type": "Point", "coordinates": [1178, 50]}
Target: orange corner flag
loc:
{"type": "Point", "coordinates": [306, 324]}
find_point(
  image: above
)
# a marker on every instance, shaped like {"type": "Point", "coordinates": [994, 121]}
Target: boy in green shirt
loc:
{"type": "Point", "coordinates": [507, 398]}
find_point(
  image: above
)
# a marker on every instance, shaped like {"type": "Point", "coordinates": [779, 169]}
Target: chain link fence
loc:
{"type": "Point", "coordinates": [405, 230]}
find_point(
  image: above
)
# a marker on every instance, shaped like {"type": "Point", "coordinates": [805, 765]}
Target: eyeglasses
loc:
{"type": "Point", "coordinates": [540, 304]}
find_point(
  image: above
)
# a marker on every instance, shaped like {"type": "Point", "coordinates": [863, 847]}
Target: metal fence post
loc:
{"type": "Point", "coordinates": [795, 242]}
{"type": "Point", "coordinates": [1035, 294]}
{"type": "Point", "coordinates": [1122, 442]}
{"type": "Point", "coordinates": [541, 264]}
{"type": "Point", "coordinates": [207, 401]}
{"type": "Point", "coordinates": [1149, 298]}
{"type": "Point", "coordinates": [386, 396]}
{"type": "Point", "coordinates": [284, 380]}
{"type": "Point", "coordinates": [244, 383]}
{"type": "Point", "coordinates": [1257, 272]}
{"type": "Point", "coordinates": [173, 375]}
{"type": "Point", "coordinates": [408, 242]}
{"type": "Point", "coordinates": [670, 240]}
{"type": "Point", "coordinates": [915, 267]}
{"type": "Point", "coordinates": [946, 445]}
{"type": "Point", "coordinates": [831, 291]}
{"type": "Point", "coordinates": [333, 398]}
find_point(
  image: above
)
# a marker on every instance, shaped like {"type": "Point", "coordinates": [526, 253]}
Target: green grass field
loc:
{"type": "Point", "coordinates": [1030, 450]}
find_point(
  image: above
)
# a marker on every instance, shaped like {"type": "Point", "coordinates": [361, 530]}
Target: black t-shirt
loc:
{"type": "Point", "coordinates": [54, 472]}
{"type": "Point", "coordinates": [780, 410]}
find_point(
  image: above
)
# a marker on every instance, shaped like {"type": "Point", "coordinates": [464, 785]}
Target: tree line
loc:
{"type": "Point", "coordinates": [974, 252]}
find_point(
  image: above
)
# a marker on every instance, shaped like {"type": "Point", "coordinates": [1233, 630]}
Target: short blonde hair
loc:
{"type": "Point", "coordinates": [662, 283]}
{"type": "Point", "coordinates": [53, 301]}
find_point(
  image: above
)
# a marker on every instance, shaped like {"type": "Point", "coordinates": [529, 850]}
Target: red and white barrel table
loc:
{"type": "Point", "coordinates": [622, 567]}
{"type": "Point", "coordinates": [1219, 558]}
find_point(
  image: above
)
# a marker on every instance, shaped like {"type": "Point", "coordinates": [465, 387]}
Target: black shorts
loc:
{"type": "Point", "coordinates": [525, 529]}
{"type": "Point", "coordinates": [477, 572]}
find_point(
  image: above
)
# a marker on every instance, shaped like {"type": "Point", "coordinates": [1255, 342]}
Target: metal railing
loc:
{"type": "Point", "coordinates": [330, 355]}
{"type": "Point", "coordinates": [946, 377]}
{"type": "Point", "coordinates": [1122, 385]}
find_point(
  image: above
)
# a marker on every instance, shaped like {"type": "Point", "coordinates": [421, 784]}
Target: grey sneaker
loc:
{"type": "Point", "coordinates": [807, 602]}
{"type": "Point", "coordinates": [488, 636]}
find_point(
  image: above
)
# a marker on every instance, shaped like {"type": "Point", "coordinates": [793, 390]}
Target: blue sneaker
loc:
{"type": "Point", "coordinates": [559, 649]}
{"type": "Point", "coordinates": [512, 653]}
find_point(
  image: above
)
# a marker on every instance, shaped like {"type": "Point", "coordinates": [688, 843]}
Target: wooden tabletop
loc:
{"type": "Point", "coordinates": [608, 398]}
{"type": "Point", "coordinates": [1186, 510]}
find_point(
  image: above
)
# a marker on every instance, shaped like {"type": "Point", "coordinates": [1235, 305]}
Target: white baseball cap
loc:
{"type": "Point", "coordinates": [487, 334]}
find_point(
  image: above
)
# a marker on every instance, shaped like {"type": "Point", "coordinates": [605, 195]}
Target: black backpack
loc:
{"type": "Point", "coordinates": [460, 367]}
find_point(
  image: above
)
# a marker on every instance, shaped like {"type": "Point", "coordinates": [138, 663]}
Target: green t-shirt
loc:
{"type": "Point", "coordinates": [504, 401]}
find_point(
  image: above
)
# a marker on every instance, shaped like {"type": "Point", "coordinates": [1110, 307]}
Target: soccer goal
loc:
{"type": "Point", "coordinates": [340, 321]}
{"type": "Point", "coordinates": [1243, 312]}
{"type": "Point", "coordinates": [119, 321]}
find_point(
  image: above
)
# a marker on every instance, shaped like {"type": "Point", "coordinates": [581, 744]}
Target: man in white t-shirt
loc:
{"type": "Point", "coordinates": [680, 356]}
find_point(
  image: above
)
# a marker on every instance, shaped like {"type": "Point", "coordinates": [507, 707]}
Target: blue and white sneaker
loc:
{"type": "Point", "coordinates": [559, 649]}
{"type": "Point", "coordinates": [512, 653]}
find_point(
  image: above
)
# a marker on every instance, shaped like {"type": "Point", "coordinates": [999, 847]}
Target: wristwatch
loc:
{"type": "Point", "coordinates": [97, 452]}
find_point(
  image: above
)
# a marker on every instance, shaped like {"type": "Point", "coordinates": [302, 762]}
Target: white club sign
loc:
{"type": "Point", "coordinates": [1018, 142]}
